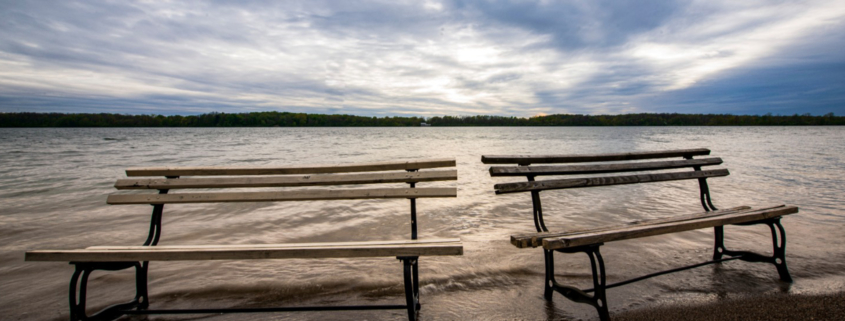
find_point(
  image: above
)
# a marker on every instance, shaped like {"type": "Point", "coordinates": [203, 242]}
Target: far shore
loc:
{"type": "Point", "coordinates": [287, 119]}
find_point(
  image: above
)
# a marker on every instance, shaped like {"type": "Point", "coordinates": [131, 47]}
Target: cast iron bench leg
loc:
{"type": "Point", "coordinates": [79, 290]}
{"type": "Point", "coordinates": [778, 257]}
{"type": "Point", "coordinates": [779, 249]}
{"type": "Point", "coordinates": [599, 297]}
{"type": "Point", "coordinates": [411, 286]}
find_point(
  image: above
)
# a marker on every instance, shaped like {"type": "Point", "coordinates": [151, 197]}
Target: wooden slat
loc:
{"type": "Point", "coordinates": [286, 181]}
{"type": "Point", "coordinates": [537, 159]}
{"type": "Point", "coordinates": [302, 195]}
{"type": "Point", "coordinates": [536, 239]}
{"type": "Point", "coordinates": [290, 170]}
{"type": "Point", "coordinates": [603, 181]}
{"type": "Point", "coordinates": [279, 251]}
{"type": "Point", "coordinates": [600, 168]}
{"type": "Point", "coordinates": [658, 229]}
{"type": "Point", "coordinates": [296, 245]}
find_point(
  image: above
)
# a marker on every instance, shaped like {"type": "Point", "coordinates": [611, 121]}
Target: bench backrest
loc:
{"type": "Point", "coordinates": [628, 163]}
{"type": "Point", "coordinates": [288, 177]}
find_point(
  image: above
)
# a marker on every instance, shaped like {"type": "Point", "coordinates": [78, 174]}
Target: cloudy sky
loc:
{"type": "Point", "coordinates": [423, 58]}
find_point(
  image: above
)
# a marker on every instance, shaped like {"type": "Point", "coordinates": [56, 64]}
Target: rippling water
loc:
{"type": "Point", "coordinates": [54, 182]}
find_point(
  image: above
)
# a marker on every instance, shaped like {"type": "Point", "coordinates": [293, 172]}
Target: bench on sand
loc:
{"type": "Point", "coordinates": [112, 258]}
{"type": "Point", "coordinates": [589, 241]}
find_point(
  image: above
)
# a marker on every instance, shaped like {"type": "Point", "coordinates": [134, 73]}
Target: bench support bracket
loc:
{"type": "Point", "coordinates": [538, 209]}
{"type": "Point", "coordinates": [412, 285]}
{"type": "Point", "coordinates": [599, 298]}
{"type": "Point", "coordinates": [778, 257]}
{"type": "Point", "coordinates": [139, 305]}
{"type": "Point", "coordinates": [79, 290]}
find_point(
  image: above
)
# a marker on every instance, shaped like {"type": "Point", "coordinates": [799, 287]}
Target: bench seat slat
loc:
{"type": "Point", "coordinates": [537, 159]}
{"type": "Point", "coordinates": [289, 170]}
{"type": "Point", "coordinates": [265, 251]}
{"type": "Point", "coordinates": [286, 181]}
{"type": "Point", "coordinates": [297, 245]}
{"type": "Point", "coordinates": [604, 181]}
{"type": "Point", "coordinates": [301, 195]}
{"type": "Point", "coordinates": [536, 239]}
{"type": "Point", "coordinates": [672, 227]}
{"type": "Point", "coordinates": [600, 168]}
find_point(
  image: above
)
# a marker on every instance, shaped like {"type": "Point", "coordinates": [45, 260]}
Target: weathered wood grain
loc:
{"type": "Point", "coordinates": [603, 181]}
{"type": "Point", "coordinates": [599, 168]}
{"type": "Point", "coordinates": [277, 251]}
{"type": "Point", "coordinates": [658, 229]}
{"type": "Point", "coordinates": [258, 246]}
{"type": "Point", "coordinates": [538, 159]}
{"type": "Point", "coordinates": [536, 239]}
{"type": "Point", "coordinates": [301, 195]}
{"type": "Point", "coordinates": [286, 181]}
{"type": "Point", "coordinates": [290, 170]}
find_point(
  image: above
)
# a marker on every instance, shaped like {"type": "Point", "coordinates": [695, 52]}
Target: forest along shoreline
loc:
{"type": "Point", "coordinates": [287, 119]}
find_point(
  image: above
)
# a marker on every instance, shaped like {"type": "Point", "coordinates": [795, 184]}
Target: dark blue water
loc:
{"type": "Point", "coordinates": [54, 182]}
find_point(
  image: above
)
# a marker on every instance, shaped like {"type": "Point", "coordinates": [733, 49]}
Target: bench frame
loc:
{"type": "Point", "coordinates": [140, 303]}
{"type": "Point", "coordinates": [598, 299]}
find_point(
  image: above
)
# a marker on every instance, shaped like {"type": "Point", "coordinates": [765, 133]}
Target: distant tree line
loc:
{"type": "Point", "coordinates": [257, 119]}
{"type": "Point", "coordinates": [285, 119]}
{"type": "Point", "coordinates": [642, 120]}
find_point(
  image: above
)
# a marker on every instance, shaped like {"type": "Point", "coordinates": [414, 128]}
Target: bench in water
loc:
{"type": "Point", "coordinates": [589, 241]}
{"type": "Point", "coordinates": [112, 258]}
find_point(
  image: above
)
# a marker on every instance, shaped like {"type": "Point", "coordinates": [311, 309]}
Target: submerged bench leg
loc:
{"type": "Point", "coordinates": [79, 290]}
{"type": "Point", "coordinates": [599, 297]}
{"type": "Point", "coordinates": [778, 257]}
{"type": "Point", "coordinates": [779, 249]}
{"type": "Point", "coordinates": [412, 285]}
{"type": "Point", "coordinates": [77, 306]}
{"type": "Point", "coordinates": [719, 248]}
{"type": "Point", "coordinates": [599, 283]}
{"type": "Point", "coordinates": [550, 274]}
{"type": "Point", "coordinates": [416, 275]}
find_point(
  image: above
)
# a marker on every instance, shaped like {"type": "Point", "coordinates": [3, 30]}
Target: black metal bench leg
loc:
{"type": "Point", "coordinates": [416, 275]}
{"type": "Point", "coordinates": [599, 284]}
{"type": "Point", "coordinates": [411, 286]}
{"type": "Point", "coordinates": [778, 257]}
{"type": "Point", "coordinates": [550, 274]}
{"type": "Point", "coordinates": [141, 294]}
{"type": "Point", "coordinates": [719, 248]}
{"type": "Point", "coordinates": [599, 297]}
{"type": "Point", "coordinates": [779, 245]}
{"type": "Point", "coordinates": [77, 293]}
{"type": "Point", "coordinates": [79, 290]}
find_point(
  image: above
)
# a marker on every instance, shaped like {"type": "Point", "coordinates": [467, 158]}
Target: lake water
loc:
{"type": "Point", "coordinates": [54, 182]}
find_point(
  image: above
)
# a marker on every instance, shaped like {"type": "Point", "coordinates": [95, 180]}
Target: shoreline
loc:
{"type": "Point", "coordinates": [829, 306]}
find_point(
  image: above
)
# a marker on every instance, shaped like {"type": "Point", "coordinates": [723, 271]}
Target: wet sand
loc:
{"type": "Point", "coordinates": [769, 307]}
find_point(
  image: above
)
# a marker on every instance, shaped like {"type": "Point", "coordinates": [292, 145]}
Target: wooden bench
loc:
{"type": "Point", "coordinates": [589, 241]}
{"type": "Point", "coordinates": [284, 180]}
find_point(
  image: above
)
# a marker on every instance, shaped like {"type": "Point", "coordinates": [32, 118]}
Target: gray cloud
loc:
{"type": "Point", "coordinates": [422, 58]}
{"type": "Point", "coordinates": [576, 25]}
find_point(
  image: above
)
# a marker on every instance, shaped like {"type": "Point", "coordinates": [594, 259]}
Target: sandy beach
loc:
{"type": "Point", "coordinates": [768, 307]}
